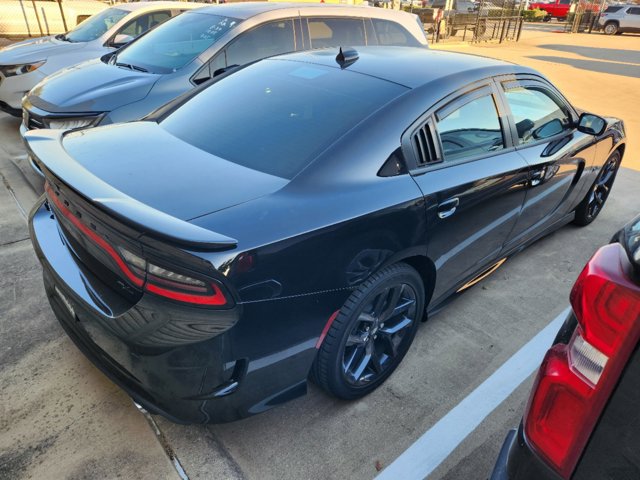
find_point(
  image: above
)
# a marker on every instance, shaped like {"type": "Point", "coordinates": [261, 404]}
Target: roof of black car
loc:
{"type": "Point", "coordinates": [412, 67]}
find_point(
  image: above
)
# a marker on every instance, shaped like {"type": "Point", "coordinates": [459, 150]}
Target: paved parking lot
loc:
{"type": "Point", "coordinates": [60, 418]}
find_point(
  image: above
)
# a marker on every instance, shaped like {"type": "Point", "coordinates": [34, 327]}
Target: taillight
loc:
{"type": "Point", "coordinates": [176, 286]}
{"type": "Point", "coordinates": [148, 276]}
{"type": "Point", "coordinates": [575, 380]}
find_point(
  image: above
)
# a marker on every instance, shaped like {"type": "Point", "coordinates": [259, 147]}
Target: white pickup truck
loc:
{"type": "Point", "coordinates": [36, 18]}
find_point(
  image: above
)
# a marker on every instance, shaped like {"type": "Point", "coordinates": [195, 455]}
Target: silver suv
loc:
{"type": "Point", "coordinates": [617, 19]}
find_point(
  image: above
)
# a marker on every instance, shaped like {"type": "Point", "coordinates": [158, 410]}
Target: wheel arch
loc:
{"type": "Point", "coordinates": [425, 268]}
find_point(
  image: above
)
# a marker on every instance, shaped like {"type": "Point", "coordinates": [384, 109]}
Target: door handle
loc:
{"type": "Point", "coordinates": [537, 176]}
{"type": "Point", "coordinates": [448, 207]}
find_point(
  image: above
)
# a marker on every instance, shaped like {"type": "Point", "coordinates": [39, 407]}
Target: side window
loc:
{"type": "Point", "coordinates": [390, 33]}
{"type": "Point", "coordinates": [139, 25]}
{"type": "Point", "coordinates": [470, 130]}
{"type": "Point", "coordinates": [564, 2]}
{"type": "Point", "coordinates": [634, 11]}
{"type": "Point", "coordinates": [536, 113]}
{"type": "Point", "coordinates": [263, 41]}
{"type": "Point", "coordinates": [336, 32]}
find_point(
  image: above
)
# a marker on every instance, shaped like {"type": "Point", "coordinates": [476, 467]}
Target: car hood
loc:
{"type": "Point", "coordinates": [36, 49]}
{"type": "Point", "coordinates": [91, 86]}
{"type": "Point", "coordinates": [144, 162]}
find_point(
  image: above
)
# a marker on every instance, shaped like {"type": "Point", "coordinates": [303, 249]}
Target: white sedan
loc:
{"type": "Point", "coordinates": [24, 64]}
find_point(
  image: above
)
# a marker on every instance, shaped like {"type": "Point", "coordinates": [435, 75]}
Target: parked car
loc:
{"type": "Point", "coordinates": [299, 215]}
{"type": "Point", "coordinates": [618, 19]}
{"type": "Point", "coordinates": [35, 18]}
{"type": "Point", "coordinates": [166, 62]}
{"type": "Point", "coordinates": [24, 64]}
{"type": "Point", "coordinates": [559, 9]}
{"type": "Point", "coordinates": [582, 418]}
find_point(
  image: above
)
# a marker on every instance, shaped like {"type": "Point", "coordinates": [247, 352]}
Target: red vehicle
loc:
{"type": "Point", "coordinates": [559, 9]}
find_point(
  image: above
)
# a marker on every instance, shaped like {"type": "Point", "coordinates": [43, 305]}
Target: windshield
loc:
{"type": "Point", "coordinates": [277, 116]}
{"type": "Point", "coordinates": [175, 43]}
{"type": "Point", "coordinates": [95, 26]}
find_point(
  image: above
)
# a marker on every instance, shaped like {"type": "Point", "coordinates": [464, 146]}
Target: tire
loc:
{"type": "Point", "coordinates": [593, 202]}
{"type": "Point", "coordinates": [610, 28]}
{"type": "Point", "coordinates": [547, 18]}
{"type": "Point", "coordinates": [359, 352]}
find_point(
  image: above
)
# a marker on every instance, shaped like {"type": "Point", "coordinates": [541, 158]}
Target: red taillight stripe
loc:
{"type": "Point", "coordinates": [216, 299]}
{"type": "Point", "coordinates": [98, 240]}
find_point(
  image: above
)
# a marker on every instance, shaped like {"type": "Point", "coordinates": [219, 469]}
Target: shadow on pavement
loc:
{"type": "Point", "coordinates": [610, 54]}
{"type": "Point", "coordinates": [613, 68]}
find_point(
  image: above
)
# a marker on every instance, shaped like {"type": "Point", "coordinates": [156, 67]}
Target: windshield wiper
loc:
{"type": "Point", "coordinates": [131, 67]}
{"type": "Point", "coordinates": [64, 38]}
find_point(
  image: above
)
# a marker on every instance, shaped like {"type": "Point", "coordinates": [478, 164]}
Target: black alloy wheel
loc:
{"type": "Point", "coordinates": [595, 199]}
{"type": "Point", "coordinates": [372, 333]}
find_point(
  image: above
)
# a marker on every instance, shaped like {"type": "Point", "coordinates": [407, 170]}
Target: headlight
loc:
{"type": "Point", "coordinates": [71, 123]}
{"type": "Point", "coordinates": [13, 70]}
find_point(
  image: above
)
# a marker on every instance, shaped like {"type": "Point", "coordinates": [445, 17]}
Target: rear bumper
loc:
{"type": "Point", "coordinates": [187, 365]}
{"type": "Point", "coordinates": [517, 461]}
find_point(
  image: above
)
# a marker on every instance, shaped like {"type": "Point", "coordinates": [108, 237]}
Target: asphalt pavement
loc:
{"type": "Point", "coordinates": [61, 418]}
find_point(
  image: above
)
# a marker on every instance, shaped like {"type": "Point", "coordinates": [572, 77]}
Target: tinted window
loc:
{"type": "Point", "coordinates": [564, 2]}
{"type": "Point", "coordinates": [470, 130]}
{"type": "Point", "coordinates": [336, 32]}
{"type": "Point", "coordinates": [174, 44]}
{"type": "Point", "coordinates": [537, 113]}
{"type": "Point", "coordinates": [634, 11]}
{"type": "Point", "coordinates": [390, 33]}
{"type": "Point", "coordinates": [97, 25]}
{"type": "Point", "coordinates": [277, 116]}
{"type": "Point", "coordinates": [263, 41]}
{"type": "Point", "coordinates": [144, 22]}
{"type": "Point", "coordinates": [612, 9]}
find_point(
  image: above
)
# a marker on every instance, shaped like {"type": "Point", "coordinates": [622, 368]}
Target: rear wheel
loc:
{"type": "Point", "coordinates": [610, 28]}
{"type": "Point", "coordinates": [595, 199]}
{"type": "Point", "coordinates": [371, 334]}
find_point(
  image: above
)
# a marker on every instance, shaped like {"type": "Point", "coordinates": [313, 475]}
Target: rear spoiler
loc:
{"type": "Point", "coordinates": [47, 144]}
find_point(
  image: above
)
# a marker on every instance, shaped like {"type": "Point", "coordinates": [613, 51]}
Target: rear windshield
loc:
{"type": "Point", "coordinates": [176, 42]}
{"type": "Point", "coordinates": [277, 116]}
{"type": "Point", "coordinates": [612, 9]}
{"type": "Point", "coordinates": [96, 25]}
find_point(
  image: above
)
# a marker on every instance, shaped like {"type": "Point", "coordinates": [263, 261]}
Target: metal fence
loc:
{"type": "Point", "coordinates": [35, 18]}
{"type": "Point", "coordinates": [497, 20]}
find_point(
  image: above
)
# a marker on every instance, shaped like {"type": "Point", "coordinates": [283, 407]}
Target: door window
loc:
{"type": "Point", "coordinates": [470, 130]}
{"type": "Point", "coordinates": [537, 113]}
{"type": "Point", "coordinates": [336, 32]}
{"type": "Point", "coordinates": [390, 33]}
{"type": "Point", "coordinates": [264, 41]}
{"type": "Point", "coordinates": [634, 11]}
{"type": "Point", "coordinates": [145, 22]}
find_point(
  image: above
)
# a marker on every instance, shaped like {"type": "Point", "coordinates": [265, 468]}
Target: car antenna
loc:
{"type": "Point", "coordinates": [347, 57]}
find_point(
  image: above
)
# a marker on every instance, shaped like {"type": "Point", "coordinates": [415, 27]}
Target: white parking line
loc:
{"type": "Point", "coordinates": [437, 443]}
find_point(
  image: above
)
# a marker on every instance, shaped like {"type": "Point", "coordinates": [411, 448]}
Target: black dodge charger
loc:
{"type": "Point", "coordinates": [299, 217]}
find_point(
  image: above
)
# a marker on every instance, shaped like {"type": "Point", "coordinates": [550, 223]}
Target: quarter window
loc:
{"type": "Point", "coordinates": [264, 41]}
{"type": "Point", "coordinates": [336, 32]}
{"type": "Point", "coordinates": [536, 113]}
{"type": "Point", "coordinates": [470, 130]}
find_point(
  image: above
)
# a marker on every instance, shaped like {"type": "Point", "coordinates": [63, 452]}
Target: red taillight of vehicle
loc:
{"type": "Point", "coordinates": [575, 380]}
{"type": "Point", "coordinates": [97, 239]}
{"type": "Point", "coordinates": [150, 277]}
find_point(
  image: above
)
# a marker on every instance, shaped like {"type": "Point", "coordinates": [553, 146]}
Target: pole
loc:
{"type": "Point", "coordinates": [35, 10]}
{"type": "Point", "coordinates": [64, 20]}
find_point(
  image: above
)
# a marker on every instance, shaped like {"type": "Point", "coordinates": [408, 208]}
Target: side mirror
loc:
{"type": "Point", "coordinates": [120, 40]}
{"type": "Point", "coordinates": [549, 129]}
{"type": "Point", "coordinates": [591, 124]}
